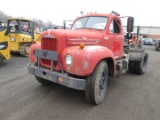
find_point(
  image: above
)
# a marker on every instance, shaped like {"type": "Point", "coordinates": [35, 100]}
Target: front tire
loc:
{"type": "Point", "coordinates": [43, 81]}
{"type": "Point", "coordinates": [96, 84]}
{"type": "Point", "coordinates": [1, 59]}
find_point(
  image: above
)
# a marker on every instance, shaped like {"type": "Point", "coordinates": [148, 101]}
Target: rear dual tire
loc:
{"type": "Point", "coordinates": [24, 49]}
{"type": "Point", "coordinates": [139, 67]}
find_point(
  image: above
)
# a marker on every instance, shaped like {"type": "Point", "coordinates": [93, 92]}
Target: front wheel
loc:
{"type": "Point", "coordinates": [96, 84]}
{"type": "Point", "coordinates": [1, 59]}
{"type": "Point", "coordinates": [43, 81]}
{"type": "Point", "coordinates": [24, 49]}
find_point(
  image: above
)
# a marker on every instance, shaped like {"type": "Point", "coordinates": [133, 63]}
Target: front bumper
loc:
{"type": "Point", "coordinates": [56, 77]}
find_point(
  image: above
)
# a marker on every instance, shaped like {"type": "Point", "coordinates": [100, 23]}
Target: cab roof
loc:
{"type": "Point", "coordinates": [20, 19]}
{"type": "Point", "coordinates": [99, 14]}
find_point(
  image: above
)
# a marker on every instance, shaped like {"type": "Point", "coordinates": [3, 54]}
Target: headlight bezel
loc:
{"type": "Point", "coordinates": [68, 59]}
{"type": "Point", "coordinates": [12, 39]}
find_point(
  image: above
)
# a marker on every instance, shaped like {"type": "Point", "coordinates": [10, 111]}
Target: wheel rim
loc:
{"type": "Point", "coordinates": [103, 84]}
{"type": "Point", "coordinates": [27, 50]}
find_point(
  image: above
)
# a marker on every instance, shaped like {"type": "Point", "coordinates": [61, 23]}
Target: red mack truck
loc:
{"type": "Point", "coordinates": [84, 56]}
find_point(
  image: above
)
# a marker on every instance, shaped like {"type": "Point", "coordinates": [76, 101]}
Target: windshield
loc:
{"type": "Point", "coordinates": [13, 24]}
{"type": "Point", "coordinates": [19, 26]}
{"type": "Point", "coordinates": [98, 23]}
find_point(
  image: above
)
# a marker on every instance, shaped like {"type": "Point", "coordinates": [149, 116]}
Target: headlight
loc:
{"type": "Point", "coordinates": [24, 39]}
{"type": "Point", "coordinates": [12, 39]}
{"type": "Point", "coordinates": [2, 46]}
{"type": "Point", "coordinates": [68, 59]}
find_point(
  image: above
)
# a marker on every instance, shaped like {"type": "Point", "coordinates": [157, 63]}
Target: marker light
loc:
{"type": "Point", "coordinates": [81, 45]}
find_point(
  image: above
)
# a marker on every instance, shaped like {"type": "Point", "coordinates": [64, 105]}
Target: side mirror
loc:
{"type": "Point", "coordinates": [130, 24]}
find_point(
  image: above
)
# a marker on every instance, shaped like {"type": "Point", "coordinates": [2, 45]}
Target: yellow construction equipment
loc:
{"type": "Point", "coordinates": [20, 34]}
{"type": "Point", "coordinates": [4, 47]}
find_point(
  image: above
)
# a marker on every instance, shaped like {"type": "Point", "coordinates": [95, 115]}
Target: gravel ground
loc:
{"type": "Point", "coordinates": [130, 97]}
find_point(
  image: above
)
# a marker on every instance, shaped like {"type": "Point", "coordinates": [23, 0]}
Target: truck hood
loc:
{"type": "Point", "coordinates": [87, 36]}
{"type": "Point", "coordinates": [76, 37]}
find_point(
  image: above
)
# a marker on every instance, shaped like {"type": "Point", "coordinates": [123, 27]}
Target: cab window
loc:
{"type": "Point", "coordinates": [114, 26]}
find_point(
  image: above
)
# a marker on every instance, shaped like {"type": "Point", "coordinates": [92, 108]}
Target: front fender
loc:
{"type": "Point", "coordinates": [32, 57]}
{"type": "Point", "coordinates": [84, 60]}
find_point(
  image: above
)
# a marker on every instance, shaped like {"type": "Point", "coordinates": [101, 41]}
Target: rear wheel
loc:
{"type": "Point", "coordinates": [96, 84]}
{"type": "Point", "coordinates": [43, 81]}
{"type": "Point", "coordinates": [141, 66]}
{"type": "Point", "coordinates": [1, 59]}
{"type": "Point", "coordinates": [24, 49]}
{"type": "Point", "coordinates": [131, 66]}
{"type": "Point", "coordinates": [156, 46]}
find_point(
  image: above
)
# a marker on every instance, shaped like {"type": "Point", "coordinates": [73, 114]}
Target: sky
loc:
{"type": "Point", "coordinates": [145, 12]}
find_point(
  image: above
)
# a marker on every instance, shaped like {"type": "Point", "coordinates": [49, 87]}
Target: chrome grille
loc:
{"type": "Point", "coordinates": [49, 44]}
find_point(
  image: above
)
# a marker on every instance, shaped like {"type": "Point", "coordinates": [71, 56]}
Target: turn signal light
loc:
{"type": "Point", "coordinates": [81, 45]}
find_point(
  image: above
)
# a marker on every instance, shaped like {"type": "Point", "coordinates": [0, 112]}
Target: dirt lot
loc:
{"type": "Point", "coordinates": [130, 97]}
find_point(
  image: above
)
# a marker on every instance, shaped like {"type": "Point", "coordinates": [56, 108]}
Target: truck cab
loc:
{"type": "Point", "coordinates": [108, 29]}
{"type": "Point", "coordinates": [4, 46]}
{"type": "Point", "coordinates": [84, 56]}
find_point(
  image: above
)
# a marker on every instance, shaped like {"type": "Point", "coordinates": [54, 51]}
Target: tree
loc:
{"type": "Point", "coordinates": [3, 16]}
{"type": "Point", "coordinates": [37, 22]}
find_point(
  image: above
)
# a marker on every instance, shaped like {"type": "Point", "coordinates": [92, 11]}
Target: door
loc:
{"type": "Point", "coordinates": [116, 38]}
